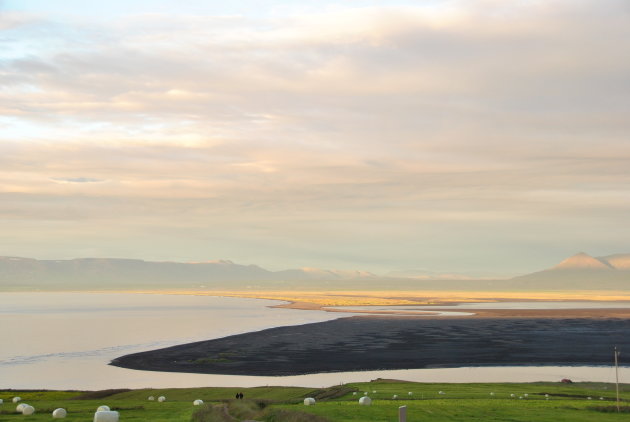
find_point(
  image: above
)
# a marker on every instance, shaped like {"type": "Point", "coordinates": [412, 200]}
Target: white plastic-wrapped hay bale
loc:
{"type": "Point", "coordinates": [395, 396]}
{"type": "Point", "coordinates": [198, 402]}
{"type": "Point", "coordinates": [354, 393]}
{"type": "Point", "coordinates": [410, 393]}
{"type": "Point", "coordinates": [1, 401]}
{"type": "Point", "coordinates": [17, 399]}
{"type": "Point", "coordinates": [365, 401]}
{"type": "Point", "coordinates": [20, 407]}
{"type": "Point", "coordinates": [59, 413]}
{"type": "Point", "coordinates": [103, 408]}
{"type": "Point", "coordinates": [309, 401]}
{"type": "Point", "coordinates": [28, 410]}
{"type": "Point", "coordinates": [151, 398]}
{"type": "Point", "coordinates": [161, 399]}
{"type": "Point", "coordinates": [106, 416]}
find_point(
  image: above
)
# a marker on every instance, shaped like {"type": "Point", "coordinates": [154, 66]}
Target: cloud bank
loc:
{"type": "Point", "coordinates": [463, 136]}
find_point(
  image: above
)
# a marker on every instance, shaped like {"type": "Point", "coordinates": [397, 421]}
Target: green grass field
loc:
{"type": "Point", "coordinates": [458, 402]}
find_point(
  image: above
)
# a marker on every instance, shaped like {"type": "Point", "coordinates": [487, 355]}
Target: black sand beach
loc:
{"type": "Point", "coordinates": [372, 343]}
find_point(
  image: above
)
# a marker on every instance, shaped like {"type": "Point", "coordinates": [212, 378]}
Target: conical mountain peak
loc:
{"type": "Point", "coordinates": [582, 261]}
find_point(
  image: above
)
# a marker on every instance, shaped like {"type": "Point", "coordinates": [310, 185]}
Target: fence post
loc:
{"type": "Point", "coordinates": [402, 414]}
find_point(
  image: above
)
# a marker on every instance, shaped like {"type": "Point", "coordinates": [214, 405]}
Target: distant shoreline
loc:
{"type": "Point", "coordinates": [327, 301]}
{"type": "Point", "coordinates": [440, 301]}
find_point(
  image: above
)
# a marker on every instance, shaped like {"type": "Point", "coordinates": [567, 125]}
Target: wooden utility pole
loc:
{"type": "Point", "coordinates": [617, 376]}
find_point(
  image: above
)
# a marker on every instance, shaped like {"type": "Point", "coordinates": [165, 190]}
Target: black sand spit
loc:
{"type": "Point", "coordinates": [368, 343]}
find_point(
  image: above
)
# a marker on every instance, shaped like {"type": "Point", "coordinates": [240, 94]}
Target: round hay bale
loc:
{"type": "Point", "coordinates": [198, 402]}
{"type": "Point", "coordinates": [59, 413]}
{"type": "Point", "coordinates": [309, 401]}
{"type": "Point", "coordinates": [28, 410]}
{"type": "Point", "coordinates": [106, 416]}
{"type": "Point", "coordinates": [151, 398]}
{"type": "Point", "coordinates": [20, 406]}
{"type": "Point", "coordinates": [410, 393]}
{"type": "Point", "coordinates": [103, 408]}
{"type": "Point", "coordinates": [161, 399]}
{"type": "Point", "coordinates": [395, 396]}
{"type": "Point", "coordinates": [17, 399]}
{"type": "Point", "coordinates": [1, 401]}
{"type": "Point", "coordinates": [365, 401]}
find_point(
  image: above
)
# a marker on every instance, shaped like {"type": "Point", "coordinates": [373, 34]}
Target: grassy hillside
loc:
{"type": "Point", "coordinates": [458, 402]}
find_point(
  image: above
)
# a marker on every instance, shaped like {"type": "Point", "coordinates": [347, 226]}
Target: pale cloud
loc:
{"type": "Point", "coordinates": [347, 135]}
{"type": "Point", "coordinates": [77, 179]}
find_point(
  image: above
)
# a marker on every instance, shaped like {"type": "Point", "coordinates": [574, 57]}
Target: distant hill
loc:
{"type": "Point", "coordinates": [581, 272]}
{"type": "Point", "coordinates": [618, 261]}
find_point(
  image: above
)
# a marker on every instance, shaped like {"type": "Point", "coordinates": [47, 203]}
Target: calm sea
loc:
{"type": "Point", "coordinates": [66, 340]}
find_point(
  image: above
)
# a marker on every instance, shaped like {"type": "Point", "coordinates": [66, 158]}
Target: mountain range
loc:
{"type": "Point", "coordinates": [113, 273]}
{"type": "Point", "coordinates": [579, 272]}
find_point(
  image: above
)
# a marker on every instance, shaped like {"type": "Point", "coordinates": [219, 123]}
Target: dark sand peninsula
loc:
{"type": "Point", "coordinates": [371, 343]}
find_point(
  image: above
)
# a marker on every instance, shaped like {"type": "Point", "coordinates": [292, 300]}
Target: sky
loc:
{"type": "Point", "coordinates": [476, 136]}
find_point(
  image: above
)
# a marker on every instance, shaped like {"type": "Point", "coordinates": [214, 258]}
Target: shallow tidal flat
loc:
{"type": "Point", "coordinates": [372, 343]}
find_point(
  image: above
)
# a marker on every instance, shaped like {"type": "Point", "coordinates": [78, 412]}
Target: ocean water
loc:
{"type": "Point", "coordinates": [66, 340]}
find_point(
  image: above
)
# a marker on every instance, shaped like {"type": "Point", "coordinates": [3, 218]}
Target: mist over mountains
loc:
{"type": "Point", "coordinates": [579, 272]}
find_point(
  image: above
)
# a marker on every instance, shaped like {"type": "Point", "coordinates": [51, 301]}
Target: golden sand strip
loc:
{"type": "Point", "coordinates": [322, 300]}
{"type": "Point", "coordinates": [410, 297]}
